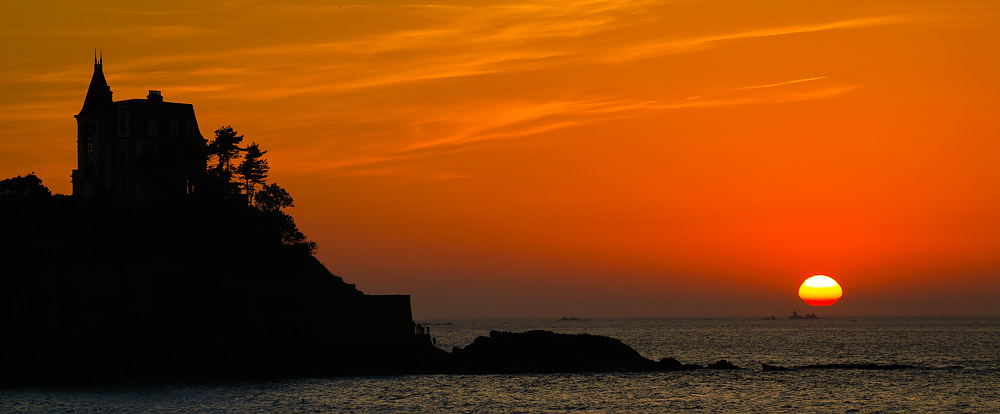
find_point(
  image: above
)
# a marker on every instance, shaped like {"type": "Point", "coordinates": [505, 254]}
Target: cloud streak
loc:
{"type": "Point", "coordinates": [476, 41]}
{"type": "Point", "coordinates": [791, 82]}
{"type": "Point", "coordinates": [421, 47]}
{"type": "Point", "coordinates": [523, 119]}
{"type": "Point", "coordinates": [653, 49]}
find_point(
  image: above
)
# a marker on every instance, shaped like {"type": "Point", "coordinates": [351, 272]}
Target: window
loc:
{"type": "Point", "coordinates": [89, 143]}
{"type": "Point", "coordinates": [153, 184]}
{"type": "Point", "coordinates": [122, 156]}
{"type": "Point", "coordinates": [152, 128]}
{"type": "Point", "coordinates": [174, 129]}
{"type": "Point", "coordinates": [122, 122]}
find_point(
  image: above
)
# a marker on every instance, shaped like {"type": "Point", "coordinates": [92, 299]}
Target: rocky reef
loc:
{"type": "Point", "coordinates": [795, 315]}
{"type": "Point", "coordinates": [546, 352]}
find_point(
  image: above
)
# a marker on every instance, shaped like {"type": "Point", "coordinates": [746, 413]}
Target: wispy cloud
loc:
{"type": "Point", "coordinates": [477, 40]}
{"type": "Point", "coordinates": [525, 119]}
{"type": "Point", "coordinates": [670, 46]}
{"type": "Point", "coordinates": [791, 90]}
{"type": "Point", "coordinates": [481, 54]}
{"type": "Point", "coordinates": [791, 82]}
{"type": "Point", "coordinates": [133, 11]}
{"type": "Point", "coordinates": [411, 172]}
{"type": "Point", "coordinates": [419, 49]}
{"type": "Point", "coordinates": [145, 31]}
{"type": "Point", "coordinates": [35, 111]}
{"type": "Point", "coordinates": [828, 92]}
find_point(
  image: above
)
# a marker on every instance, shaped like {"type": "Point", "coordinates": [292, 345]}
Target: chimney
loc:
{"type": "Point", "coordinates": [154, 96]}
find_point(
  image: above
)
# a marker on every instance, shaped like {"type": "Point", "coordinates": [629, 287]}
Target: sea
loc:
{"type": "Point", "coordinates": [957, 360]}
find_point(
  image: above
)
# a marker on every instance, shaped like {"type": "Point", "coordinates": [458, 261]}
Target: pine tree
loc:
{"type": "Point", "coordinates": [253, 170]}
{"type": "Point", "coordinates": [223, 149]}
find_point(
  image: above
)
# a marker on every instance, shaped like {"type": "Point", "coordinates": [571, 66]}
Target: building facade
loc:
{"type": "Point", "coordinates": [136, 149]}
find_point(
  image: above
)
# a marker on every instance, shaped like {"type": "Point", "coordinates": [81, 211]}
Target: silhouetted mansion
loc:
{"type": "Point", "coordinates": [137, 149]}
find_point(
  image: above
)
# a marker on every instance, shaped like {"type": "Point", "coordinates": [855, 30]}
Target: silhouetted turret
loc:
{"type": "Point", "coordinates": [99, 93]}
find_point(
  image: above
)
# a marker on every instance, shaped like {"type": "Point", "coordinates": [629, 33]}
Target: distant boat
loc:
{"type": "Point", "coordinates": [563, 319]}
{"type": "Point", "coordinates": [795, 315]}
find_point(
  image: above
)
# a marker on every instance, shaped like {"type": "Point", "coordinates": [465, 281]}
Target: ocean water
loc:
{"type": "Point", "coordinates": [958, 360]}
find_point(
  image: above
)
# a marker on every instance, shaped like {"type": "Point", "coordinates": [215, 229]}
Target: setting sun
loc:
{"type": "Point", "coordinates": [820, 290]}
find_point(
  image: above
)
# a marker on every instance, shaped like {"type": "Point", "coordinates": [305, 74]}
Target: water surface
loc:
{"type": "Point", "coordinates": [959, 360]}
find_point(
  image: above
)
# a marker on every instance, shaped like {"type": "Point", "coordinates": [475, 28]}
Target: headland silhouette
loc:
{"type": "Point", "coordinates": [174, 259]}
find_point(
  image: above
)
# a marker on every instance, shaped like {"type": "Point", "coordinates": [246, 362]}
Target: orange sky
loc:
{"type": "Point", "coordinates": [580, 158]}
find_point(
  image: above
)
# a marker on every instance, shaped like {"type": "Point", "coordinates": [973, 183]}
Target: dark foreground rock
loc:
{"type": "Point", "coordinates": [549, 352]}
{"type": "Point", "coordinates": [766, 367]}
{"type": "Point", "coordinates": [722, 364]}
{"type": "Point", "coordinates": [671, 364]}
{"type": "Point", "coordinates": [544, 351]}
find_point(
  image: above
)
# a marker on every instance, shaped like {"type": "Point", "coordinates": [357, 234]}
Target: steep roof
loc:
{"type": "Point", "coordinates": [99, 93]}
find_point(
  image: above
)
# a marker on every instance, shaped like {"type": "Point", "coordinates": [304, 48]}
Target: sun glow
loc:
{"type": "Point", "coordinates": [820, 290]}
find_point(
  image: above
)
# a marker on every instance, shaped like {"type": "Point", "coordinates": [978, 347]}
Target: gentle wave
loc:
{"type": "Point", "coordinates": [973, 343]}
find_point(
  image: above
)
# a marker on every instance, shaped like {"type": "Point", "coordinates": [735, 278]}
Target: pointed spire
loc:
{"type": "Point", "coordinates": [99, 93]}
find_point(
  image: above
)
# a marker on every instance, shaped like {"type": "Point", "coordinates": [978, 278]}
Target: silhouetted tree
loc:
{"type": "Point", "coordinates": [272, 198]}
{"type": "Point", "coordinates": [269, 199]}
{"type": "Point", "coordinates": [290, 234]}
{"type": "Point", "coordinates": [28, 187]}
{"type": "Point", "coordinates": [224, 147]}
{"type": "Point", "coordinates": [253, 170]}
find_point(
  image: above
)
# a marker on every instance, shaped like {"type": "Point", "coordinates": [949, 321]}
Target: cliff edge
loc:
{"type": "Point", "coordinates": [182, 288]}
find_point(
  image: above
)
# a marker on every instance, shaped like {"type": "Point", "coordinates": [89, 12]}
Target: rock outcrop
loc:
{"type": "Point", "coordinates": [546, 352]}
{"type": "Point", "coordinates": [722, 364]}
